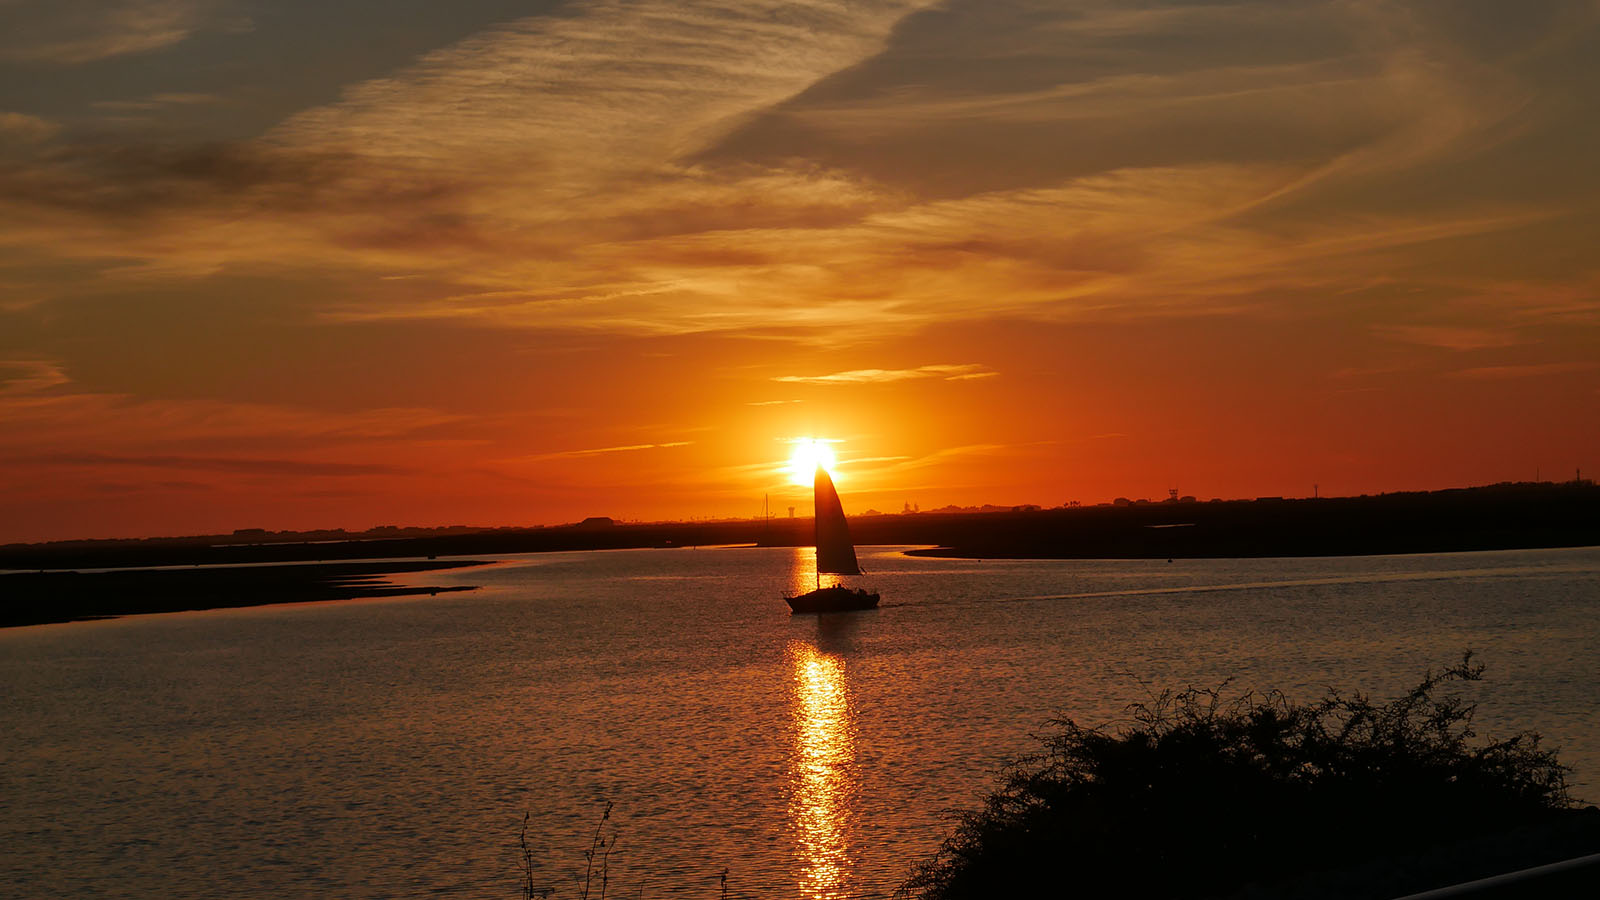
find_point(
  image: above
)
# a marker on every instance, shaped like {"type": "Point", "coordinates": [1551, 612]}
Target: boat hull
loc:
{"type": "Point", "coordinates": [832, 599]}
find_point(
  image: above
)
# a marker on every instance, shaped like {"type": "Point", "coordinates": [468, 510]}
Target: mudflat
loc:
{"type": "Point", "coordinates": [36, 598]}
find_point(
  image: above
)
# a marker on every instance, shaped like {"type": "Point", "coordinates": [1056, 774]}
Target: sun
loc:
{"type": "Point", "coordinates": [808, 454]}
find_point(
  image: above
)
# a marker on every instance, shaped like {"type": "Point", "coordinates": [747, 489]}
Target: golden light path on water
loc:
{"type": "Point", "coordinates": [803, 571]}
{"type": "Point", "coordinates": [821, 782]}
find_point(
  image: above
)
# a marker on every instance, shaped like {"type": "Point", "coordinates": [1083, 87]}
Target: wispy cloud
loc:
{"type": "Point", "coordinates": [157, 101]}
{"type": "Point", "coordinates": [65, 32]}
{"type": "Point", "coordinates": [596, 451]}
{"type": "Point", "coordinates": [872, 460]}
{"type": "Point", "coordinates": [1449, 337]}
{"type": "Point", "coordinates": [1536, 370]}
{"type": "Point", "coordinates": [964, 372]}
{"type": "Point", "coordinates": [610, 86]}
{"type": "Point", "coordinates": [904, 464]}
{"type": "Point", "coordinates": [25, 129]}
{"type": "Point", "coordinates": [28, 376]}
{"type": "Point", "coordinates": [243, 466]}
{"type": "Point", "coordinates": [536, 152]}
{"type": "Point", "coordinates": [576, 153]}
{"type": "Point", "coordinates": [42, 416]}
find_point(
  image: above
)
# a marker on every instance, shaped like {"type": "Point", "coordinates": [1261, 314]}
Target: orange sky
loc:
{"type": "Point", "coordinates": [494, 262]}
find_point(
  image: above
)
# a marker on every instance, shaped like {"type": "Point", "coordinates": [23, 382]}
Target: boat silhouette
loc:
{"type": "Point", "coordinates": [836, 555]}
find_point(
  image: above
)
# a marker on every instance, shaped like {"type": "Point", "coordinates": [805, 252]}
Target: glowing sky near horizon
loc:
{"type": "Point", "coordinates": [301, 265]}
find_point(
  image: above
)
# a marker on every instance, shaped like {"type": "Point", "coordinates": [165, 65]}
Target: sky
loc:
{"type": "Point", "coordinates": [298, 264]}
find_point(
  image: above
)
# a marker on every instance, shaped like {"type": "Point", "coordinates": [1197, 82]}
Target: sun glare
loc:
{"type": "Point", "coordinates": [808, 454]}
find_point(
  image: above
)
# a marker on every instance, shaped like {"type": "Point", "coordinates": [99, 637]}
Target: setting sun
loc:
{"type": "Point", "coordinates": [808, 454]}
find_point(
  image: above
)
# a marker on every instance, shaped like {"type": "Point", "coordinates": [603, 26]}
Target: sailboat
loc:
{"type": "Point", "coordinates": [835, 556]}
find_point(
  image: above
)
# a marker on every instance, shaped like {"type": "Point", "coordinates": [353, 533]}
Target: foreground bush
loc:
{"type": "Point", "coordinates": [1206, 796]}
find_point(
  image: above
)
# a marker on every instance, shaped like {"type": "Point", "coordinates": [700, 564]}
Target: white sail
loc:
{"type": "Point", "coordinates": [835, 554]}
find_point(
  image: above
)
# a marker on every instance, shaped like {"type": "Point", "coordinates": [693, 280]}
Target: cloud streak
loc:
{"type": "Point", "coordinates": [612, 86]}
{"type": "Point", "coordinates": [69, 32]}
{"type": "Point", "coordinates": [1448, 337]}
{"type": "Point", "coordinates": [30, 376]}
{"type": "Point", "coordinates": [597, 451]}
{"type": "Point", "coordinates": [22, 128]}
{"type": "Point", "coordinates": [1536, 370]}
{"type": "Point", "coordinates": [964, 372]}
{"type": "Point", "coordinates": [43, 416]}
{"type": "Point", "coordinates": [235, 465]}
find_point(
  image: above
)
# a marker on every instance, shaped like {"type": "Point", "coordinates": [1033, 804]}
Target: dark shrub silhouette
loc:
{"type": "Point", "coordinates": [1207, 796]}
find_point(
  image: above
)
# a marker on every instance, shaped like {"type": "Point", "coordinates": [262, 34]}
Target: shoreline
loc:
{"type": "Point", "coordinates": [1496, 517]}
{"type": "Point", "coordinates": [53, 597]}
{"type": "Point", "coordinates": [982, 553]}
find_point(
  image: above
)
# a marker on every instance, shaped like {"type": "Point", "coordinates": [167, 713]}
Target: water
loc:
{"type": "Point", "coordinates": [389, 748]}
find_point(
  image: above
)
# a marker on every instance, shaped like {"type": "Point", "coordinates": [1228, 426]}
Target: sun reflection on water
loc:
{"type": "Point", "coordinates": [803, 570]}
{"type": "Point", "coordinates": [821, 779]}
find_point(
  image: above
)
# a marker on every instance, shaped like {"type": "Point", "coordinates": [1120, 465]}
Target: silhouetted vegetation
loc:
{"type": "Point", "coordinates": [597, 861]}
{"type": "Point", "coordinates": [1205, 795]}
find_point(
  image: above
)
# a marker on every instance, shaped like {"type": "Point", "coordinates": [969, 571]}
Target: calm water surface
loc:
{"type": "Point", "coordinates": [390, 748]}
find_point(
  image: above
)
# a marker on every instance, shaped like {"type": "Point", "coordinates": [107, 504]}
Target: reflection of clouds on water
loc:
{"type": "Point", "coordinates": [821, 780]}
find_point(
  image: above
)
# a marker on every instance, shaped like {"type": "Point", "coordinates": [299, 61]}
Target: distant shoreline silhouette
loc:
{"type": "Point", "coordinates": [1496, 517]}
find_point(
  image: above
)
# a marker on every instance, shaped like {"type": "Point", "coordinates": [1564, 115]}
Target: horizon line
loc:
{"type": "Point", "coordinates": [1172, 500]}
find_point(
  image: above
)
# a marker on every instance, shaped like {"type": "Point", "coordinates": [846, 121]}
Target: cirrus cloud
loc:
{"type": "Point", "coordinates": [963, 372]}
{"type": "Point", "coordinates": [67, 32]}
